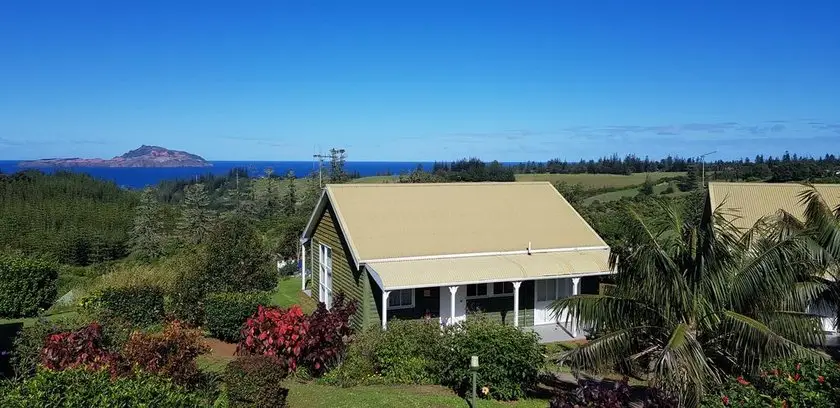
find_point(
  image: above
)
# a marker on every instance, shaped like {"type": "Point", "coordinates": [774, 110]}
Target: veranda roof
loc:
{"type": "Point", "coordinates": [485, 269]}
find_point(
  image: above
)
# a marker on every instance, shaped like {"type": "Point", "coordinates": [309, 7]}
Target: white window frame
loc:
{"type": "Point", "coordinates": [398, 294]}
{"type": "Point", "coordinates": [325, 271]}
{"type": "Point", "coordinates": [490, 293]}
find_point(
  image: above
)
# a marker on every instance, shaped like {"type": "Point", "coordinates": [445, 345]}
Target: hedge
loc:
{"type": "Point", "coordinates": [254, 381]}
{"type": "Point", "coordinates": [80, 388]}
{"type": "Point", "coordinates": [226, 312]}
{"type": "Point", "coordinates": [26, 285]}
{"type": "Point", "coordinates": [139, 305]}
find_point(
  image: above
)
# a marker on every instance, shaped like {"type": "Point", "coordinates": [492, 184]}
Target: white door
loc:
{"type": "Point", "coordinates": [545, 293]}
{"type": "Point", "coordinates": [460, 305]}
{"type": "Point", "coordinates": [325, 275]}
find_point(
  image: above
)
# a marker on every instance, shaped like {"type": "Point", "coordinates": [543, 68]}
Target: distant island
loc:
{"type": "Point", "coordinates": [143, 156]}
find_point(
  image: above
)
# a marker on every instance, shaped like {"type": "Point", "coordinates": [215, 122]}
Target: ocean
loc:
{"type": "Point", "coordinates": [140, 177]}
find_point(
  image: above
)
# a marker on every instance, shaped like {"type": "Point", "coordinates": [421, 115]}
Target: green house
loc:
{"type": "Point", "coordinates": [448, 251]}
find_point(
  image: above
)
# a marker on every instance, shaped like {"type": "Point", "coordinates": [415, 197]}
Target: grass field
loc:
{"type": "Point", "coordinates": [376, 179]}
{"type": "Point", "coordinates": [593, 181]}
{"type": "Point", "coordinates": [631, 192]}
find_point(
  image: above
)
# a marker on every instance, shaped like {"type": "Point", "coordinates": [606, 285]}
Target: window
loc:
{"type": "Point", "coordinates": [502, 288]}
{"type": "Point", "coordinates": [401, 299]}
{"type": "Point", "coordinates": [325, 275]}
{"type": "Point", "coordinates": [479, 290]}
{"type": "Point", "coordinates": [546, 290]}
{"type": "Point", "coordinates": [483, 290]}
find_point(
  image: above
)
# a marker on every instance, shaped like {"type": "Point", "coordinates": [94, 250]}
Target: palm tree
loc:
{"type": "Point", "coordinates": [692, 302]}
{"type": "Point", "coordinates": [822, 226]}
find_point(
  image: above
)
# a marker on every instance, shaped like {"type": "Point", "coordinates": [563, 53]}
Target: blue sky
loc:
{"type": "Point", "coordinates": [419, 80]}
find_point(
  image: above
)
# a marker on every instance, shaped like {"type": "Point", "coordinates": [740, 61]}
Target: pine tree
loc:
{"type": "Point", "coordinates": [290, 198]}
{"type": "Point", "coordinates": [337, 161]}
{"type": "Point", "coordinates": [196, 218]}
{"type": "Point", "coordinates": [692, 180]}
{"type": "Point", "coordinates": [146, 235]}
{"type": "Point", "coordinates": [647, 186]}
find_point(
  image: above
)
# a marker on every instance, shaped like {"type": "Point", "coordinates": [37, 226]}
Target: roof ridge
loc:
{"type": "Point", "coordinates": [770, 184]}
{"type": "Point", "coordinates": [457, 183]}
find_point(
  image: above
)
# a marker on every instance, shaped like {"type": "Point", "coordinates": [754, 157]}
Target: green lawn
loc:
{"type": "Point", "coordinates": [426, 396]}
{"type": "Point", "coordinates": [593, 181]}
{"type": "Point", "coordinates": [288, 293]}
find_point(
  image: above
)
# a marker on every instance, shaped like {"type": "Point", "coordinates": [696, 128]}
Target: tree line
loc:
{"type": "Point", "coordinates": [787, 167]}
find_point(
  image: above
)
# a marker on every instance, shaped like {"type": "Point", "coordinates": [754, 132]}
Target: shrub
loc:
{"type": "Point", "coordinates": [171, 353]}
{"type": "Point", "coordinates": [509, 358]}
{"type": "Point", "coordinates": [226, 313]}
{"type": "Point", "coordinates": [237, 260]}
{"type": "Point", "coordinates": [360, 366]}
{"type": "Point", "coordinates": [139, 305]}
{"type": "Point", "coordinates": [410, 352]}
{"type": "Point", "coordinates": [781, 383]}
{"type": "Point", "coordinates": [189, 291]}
{"type": "Point", "coordinates": [80, 348]}
{"type": "Point", "coordinates": [254, 381]}
{"type": "Point", "coordinates": [29, 342]}
{"type": "Point", "coordinates": [26, 285]}
{"type": "Point", "coordinates": [328, 335]}
{"type": "Point", "coordinates": [78, 388]}
{"type": "Point", "coordinates": [275, 332]}
{"type": "Point", "coordinates": [610, 395]}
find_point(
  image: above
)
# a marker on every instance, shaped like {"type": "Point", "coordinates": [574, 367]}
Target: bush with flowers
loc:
{"type": "Point", "coordinates": [782, 383]}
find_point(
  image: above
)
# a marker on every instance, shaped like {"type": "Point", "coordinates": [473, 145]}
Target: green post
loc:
{"type": "Point", "coordinates": [474, 368]}
{"type": "Point", "coordinates": [474, 388]}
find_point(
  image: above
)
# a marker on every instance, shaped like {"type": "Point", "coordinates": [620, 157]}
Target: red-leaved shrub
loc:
{"type": "Point", "coordinates": [329, 334]}
{"type": "Point", "coordinates": [275, 332]}
{"type": "Point", "coordinates": [80, 348]}
{"type": "Point", "coordinates": [171, 353]}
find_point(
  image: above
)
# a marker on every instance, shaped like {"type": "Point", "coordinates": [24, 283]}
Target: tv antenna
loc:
{"type": "Point", "coordinates": [703, 167]}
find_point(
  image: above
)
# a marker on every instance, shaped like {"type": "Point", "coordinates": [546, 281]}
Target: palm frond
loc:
{"type": "Point", "coordinates": [602, 312]}
{"type": "Point", "coordinates": [682, 366]}
{"type": "Point", "coordinates": [752, 342]}
{"type": "Point", "coordinates": [605, 352]}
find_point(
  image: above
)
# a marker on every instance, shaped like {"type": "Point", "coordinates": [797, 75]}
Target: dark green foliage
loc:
{"type": "Point", "coordinates": [73, 217]}
{"type": "Point", "coordinates": [608, 394]}
{"type": "Point", "coordinates": [691, 181]}
{"type": "Point", "coordinates": [254, 381]}
{"type": "Point", "coordinates": [79, 388]}
{"type": "Point", "coordinates": [236, 260]}
{"type": "Point", "coordinates": [139, 305]}
{"type": "Point", "coordinates": [226, 312]}
{"type": "Point", "coordinates": [509, 358]}
{"type": "Point", "coordinates": [410, 352]}
{"type": "Point", "coordinates": [26, 285]}
{"type": "Point", "coordinates": [289, 203]}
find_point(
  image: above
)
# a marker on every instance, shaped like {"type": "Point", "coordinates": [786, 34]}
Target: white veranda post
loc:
{"type": "Point", "coordinates": [302, 266]}
{"type": "Point", "coordinates": [516, 303]}
{"type": "Point", "coordinates": [575, 291]}
{"type": "Point", "coordinates": [452, 291]}
{"type": "Point", "coordinates": [385, 294]}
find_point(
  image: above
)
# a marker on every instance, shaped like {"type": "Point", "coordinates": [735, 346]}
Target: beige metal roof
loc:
{"type": "Point", "coordinates": [749, 202]}
{"type": "Point", "coordinates": [382, 221]}
{"type": "Point", "coordinates": [492, 268]}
